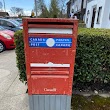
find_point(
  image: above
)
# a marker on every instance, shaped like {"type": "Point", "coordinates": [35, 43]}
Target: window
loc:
{"type": "Point", "coordinates": [9, 24]}
{"type": "Point", "coordinates": [3, 23]}
{"type": "Point", "coordinates": [99, 15]}
{"type": "Point", "coordinates": [88, 12]}
{"type": "Point", "coordinates": [72, 11]}
{"type": "Point", "coordinates": [86, 20]}
{"type": "Point", "coordinates": [0, 22]}
{"type": "Point", "coordinates": [1, 28]}
{"type": "Point", "coordinates": [72, 1]}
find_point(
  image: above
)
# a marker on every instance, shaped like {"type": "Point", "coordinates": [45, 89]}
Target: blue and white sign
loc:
{"type": "Point", "coordinates": [50, 42]}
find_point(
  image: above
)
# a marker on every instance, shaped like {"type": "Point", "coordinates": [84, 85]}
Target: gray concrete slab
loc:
{"type": "Point", "coordinates": [89, 93]}
{"type": "Point", "coordinates": [12, 92]}
{"type": "Point", "coordinates": [4, 73]}
{"type": "Point", "coordinates": [8, 60]}
{"type": "Point", "coordinates": [17, 88]}
{"type": "Point", "coordinates": [19, 102]}
{"type": "Point", "coordinates": [1, 95]}
{"type": "Point", "coordinates": [6, 82]}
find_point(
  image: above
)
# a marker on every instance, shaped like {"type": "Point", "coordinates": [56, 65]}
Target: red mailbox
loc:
{"type": "Point", "coordinates": [50, 48]}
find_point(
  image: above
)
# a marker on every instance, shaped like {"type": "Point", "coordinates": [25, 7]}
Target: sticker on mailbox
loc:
{"type": "Point", "coordinates": [50, 42]}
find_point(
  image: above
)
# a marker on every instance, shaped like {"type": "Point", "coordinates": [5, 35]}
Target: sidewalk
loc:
{"type": "Point", "coordinates": [12, 92]}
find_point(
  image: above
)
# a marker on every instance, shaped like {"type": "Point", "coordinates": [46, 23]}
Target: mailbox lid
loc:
{"type": "Point", "coordinates": [49, 84]}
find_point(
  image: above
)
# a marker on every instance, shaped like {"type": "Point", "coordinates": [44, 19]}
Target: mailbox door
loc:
{"type": "Point", "coordinates": [43, 84]}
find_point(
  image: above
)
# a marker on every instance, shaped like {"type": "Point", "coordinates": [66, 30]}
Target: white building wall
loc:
{"type": "Point", "coordinates": [89, 8]}
{"type": "Point", "coordinates": [99, 4]}
{"type": "Point", "coordinates": [85, 3]}
{"type": "Point", "coordinates": [105, 13]}
{"type": "Point", "coordinates": [76, 6]}
{"type": "Point", "coordinates": [71, 8]}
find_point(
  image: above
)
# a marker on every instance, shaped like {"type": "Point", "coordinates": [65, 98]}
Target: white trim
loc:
{"type": "Point", "coordinates": [48, 65]}
{"type": "Point", "coordinates": [50, 30]}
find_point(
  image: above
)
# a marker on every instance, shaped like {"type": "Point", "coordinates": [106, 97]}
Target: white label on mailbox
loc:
{"type": "Point", "coordinates": [50, 90]}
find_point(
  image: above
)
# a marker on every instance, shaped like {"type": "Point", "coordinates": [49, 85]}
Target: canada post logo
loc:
{"type": "Point", "coordinates": [50, 42]}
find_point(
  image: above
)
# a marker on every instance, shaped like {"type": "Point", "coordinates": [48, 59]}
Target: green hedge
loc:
{"type": "Point", "coordinates": [92, 58]}
{"type": "Point", "coordinates": [20, 57]}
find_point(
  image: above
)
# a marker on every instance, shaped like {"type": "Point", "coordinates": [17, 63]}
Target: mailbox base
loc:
{"type": "Point", "coordinates": [50, 102]}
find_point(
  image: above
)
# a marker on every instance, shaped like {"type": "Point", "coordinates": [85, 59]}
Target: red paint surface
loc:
{"type": "Point", "coordinates": [48, 80]}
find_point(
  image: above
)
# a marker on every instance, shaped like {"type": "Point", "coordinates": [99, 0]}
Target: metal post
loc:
{"type": "Point", "coordinates": [35, 7]}
{"type": "Point", "coordinates": [4, 5]}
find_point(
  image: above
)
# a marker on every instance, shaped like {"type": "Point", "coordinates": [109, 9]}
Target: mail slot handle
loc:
{"type": "Point", "coordinates": [50, 72]}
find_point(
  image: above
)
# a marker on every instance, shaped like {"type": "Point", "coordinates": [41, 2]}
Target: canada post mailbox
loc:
{"type": "Point", "coordinates": [50, 48]}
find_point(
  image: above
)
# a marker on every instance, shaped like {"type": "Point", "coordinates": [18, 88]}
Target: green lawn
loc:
{"type": "Point", "coordinates": [90, 103]}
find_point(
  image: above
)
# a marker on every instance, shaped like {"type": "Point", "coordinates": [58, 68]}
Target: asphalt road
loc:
{"type": "Point", "coordinates": [12, 92]}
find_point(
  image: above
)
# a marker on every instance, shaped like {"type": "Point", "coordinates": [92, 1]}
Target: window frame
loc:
{"type": "Point", "coordinates": [99, 14]}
